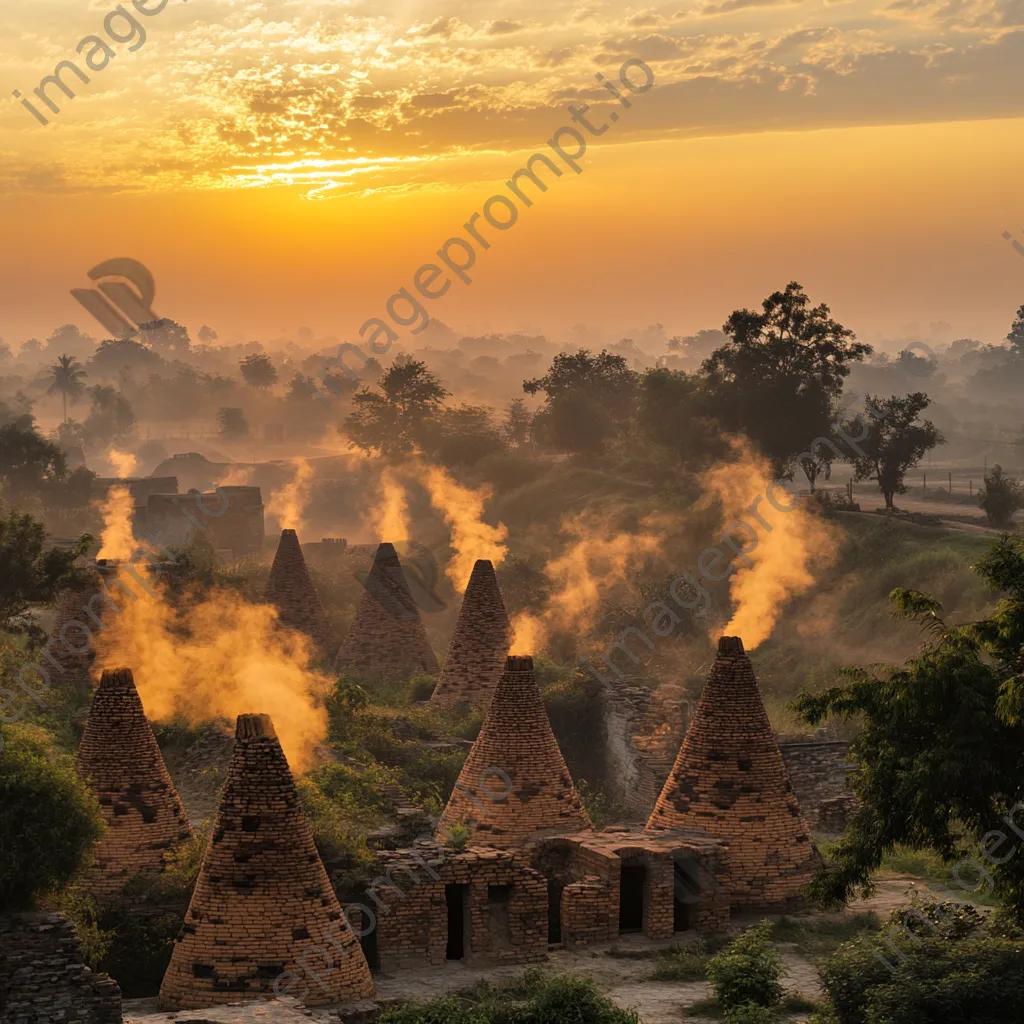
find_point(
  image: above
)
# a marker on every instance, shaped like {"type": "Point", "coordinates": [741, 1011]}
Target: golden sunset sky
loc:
{"type": "Point", "coordinates": [279, 163]}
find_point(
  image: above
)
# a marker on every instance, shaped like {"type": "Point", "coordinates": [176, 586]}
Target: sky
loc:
{"type": "Point", "coordinates": [287, 163]}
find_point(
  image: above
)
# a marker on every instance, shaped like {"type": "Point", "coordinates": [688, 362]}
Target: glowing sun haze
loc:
{"type": "Point", "coordinates": [277, 164]}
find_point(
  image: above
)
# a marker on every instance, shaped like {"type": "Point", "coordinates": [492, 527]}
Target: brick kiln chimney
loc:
{"type": "Point", "coordinates": [263, 903]}
{"type": "Point", "coordinates": [479, 646]}
{"type": "Point", "coordinates": [291, 592]}
{"type": "Point", "coordinates": [731, 781]}
{"type": "Point", "coordinates": [515, 785]}
{"type": "Point", "coordinates": [387, 633]}
{"type": "Point", "coordinates": [120, 761]}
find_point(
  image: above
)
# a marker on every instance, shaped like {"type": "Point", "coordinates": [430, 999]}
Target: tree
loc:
{"type": "Point", "coordinates": [31, 573]}
{"type": "Point", "coordinates": [111, 417]}
{"type": "Point", "coordinates": [166, 335]}
{"type": "Point", "coordinates": [69, 339]}
{"type": "Point", "coordinates": [1000, 497]}
{"type": "Point", "coordinates": [50, 822]}
{"type": "Point", "coordinates": [67, 374]}
{"type": "Point", "coordinates": [780, 376]}
{"type": "Point", "coordinates": [301, 388]}
{"type": "Point", "coordinates": [391, 420]}
{"type": "Point", "coordinates": [258, 372]}
{"type": "Point", "coordinates": [462, 436]}
{"type": "Point", "coordinates": [590, 400]}
{"type": "Point", "coordinates": [673, 415]}
{"type": "Point", "coordinates": [1016, 335]}
{"type": "Point", "coordinates": [940, 751]}
{"type": "Point", "coordinates": [517, 422]}
{"type": "Point", "coordinates": [232, 423]}
{"type": "Point", "coordinates": [115, 355]}
{"type": "Point", "coordinates": [895, 441]}
{"type": "Point", "coordinates": [28, 462]}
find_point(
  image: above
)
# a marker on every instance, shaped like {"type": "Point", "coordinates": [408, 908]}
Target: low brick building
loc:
{"type": "Point", "coordinates": [605, 884]}
{"type": "Point", "coordinates": [387, 633]}
{"type": "Point", "coordinates": [291, 592]}
{"type": "Point", "coordinates": [479, 905]}
{"type": "Point", "coordinates": [120, 761]}
{"type": "Point", "coordinates": [263, 917]}
{"type": "Point", "coordinates": [730, 781]}
{"type": "Point", "coordinates": [479, 645]}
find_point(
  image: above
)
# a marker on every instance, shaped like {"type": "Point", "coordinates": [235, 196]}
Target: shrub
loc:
{"type": "Point", "coordinates": [422, 687]}
{"type": "Point", "coordinates": [751, 1013]}
{"type": "Point", "coordinates": [448, 1010]}
{"type": "Point", "coordinates": [931, 965]}
{"type": "Point", "coordinates": [1000, 497]}
{"type": "Point", "coordinates": [49, 820]}
{"type": "Point", "coordinates": [683, 963]}
{"type": "Point", "coordinates": [747, 971]}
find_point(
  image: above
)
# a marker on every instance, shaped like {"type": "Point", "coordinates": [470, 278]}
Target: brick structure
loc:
{"type": "Point", "coordinates": [44, 977]}
{"type": "Point", "coordinates": [263, 912]}
{"type": "Point", "coordinates": [387, 634]}
{"type": "Point", "coordinates": [291, 592]}
{"type": "Point", "coordinates": [479, 645]}
{"type": "Point", "coordinates": [120, 761]}
{"type": "Point", "coordinates": [478, 905]}
{"type": "Point", "coordinates": [604, 884]}
{"type": "Point", "coordinates": [819, 770]}
{"type": "Point", "coordinates": [515, 786]}
{"type": "Point", "coordinates": [70, 648]}
{"type": "Point", "coordinates": [730, 780]}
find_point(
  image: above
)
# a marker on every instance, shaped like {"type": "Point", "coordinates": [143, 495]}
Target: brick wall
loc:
{"type": "Point", "coordinates": [43, 976]}
{"type": "Point", "coordinates": [414, 931]}
{"type": "Point", "coordinates": [818, 771]}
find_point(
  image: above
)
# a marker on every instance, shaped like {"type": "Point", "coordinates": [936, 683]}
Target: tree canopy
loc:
{"type": "Point", "coordinates": [779, 377]}
{"type": "Point", "coordinates": [940, 752]}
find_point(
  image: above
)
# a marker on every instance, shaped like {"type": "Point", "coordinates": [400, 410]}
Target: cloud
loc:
{"type": "Point", "coordinates": [713, 9]}
{"type": "Point", "coordinates": [503, 28]}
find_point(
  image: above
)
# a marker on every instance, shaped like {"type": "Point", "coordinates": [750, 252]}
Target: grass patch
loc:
{"type": "Point", "coordinates": [705, 1008]}
{"type": "Point", "coordinates": [793, 1002]}
{"type": "Point", "coordinates": [822, 936]}
{"type": "Point", "coordinates": [927, 866]}
{"type": "Point", "coordinates": [689, 962]}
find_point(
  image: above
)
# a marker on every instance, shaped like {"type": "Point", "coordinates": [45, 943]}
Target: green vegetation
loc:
{"type": "Point", "coordinates": [747, 971]}
{"type": "Point", "coordinates": [820, 936]}
{"type": "Point", "coordinates": [538, 996]}
{"type": "Point", "coordinates": [932, 964]}
{"type": "Point", "coordinates": [686, 963]}
{"type": "Point", "coordinates": [50, 820]}
{"type": "Point", "coordinates": [941, 748]}
{"type": "Point", "coordinates": [1001, 497]}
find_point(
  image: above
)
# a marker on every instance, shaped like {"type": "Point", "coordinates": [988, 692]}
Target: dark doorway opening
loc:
{"type": "Point", "coordinates": [631, 897]}
{"type": "Point", "coordinates": [554, 911]}
{"type": "Point", "coordinates": [685, 894]}
{"type": "Point", "coordinates": [456, 898]}
{"type": "Point", "coordinates": [371, 949]}
{"type": "Point", "coordinates": [499, 924]}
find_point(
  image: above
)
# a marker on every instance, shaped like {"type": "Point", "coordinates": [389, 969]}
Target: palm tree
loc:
{"type": "Point", "coordinates": [67, 375]}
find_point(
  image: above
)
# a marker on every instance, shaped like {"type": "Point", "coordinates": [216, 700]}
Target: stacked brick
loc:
{"type": "Point", "coordinates": [730, 780]}
{"type": "Point", "coordinates": [515, 786]}
{"type": "Point", "coordinates": [584, 912]}
{"type": "Point", "coordinates": [387, 634]}
{"type": "Point", "coordinates": [120, 761]}
{"type": "Point", "coordinates": [409, 904]}
{"type": "Point", "coordinates": [291, 592]}
{"type": "Point", "coordinates": [479, 645]}
{"type": "Point", "coordinates": [44, 976]}
{"type": "Point", "coordinates": [263, 918]}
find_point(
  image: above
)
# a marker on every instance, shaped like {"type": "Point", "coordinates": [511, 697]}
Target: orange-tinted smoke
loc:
{"type": "Point", "coordinates": [288, 504]}
{"type": "Point", "coordinates": [790, 545]}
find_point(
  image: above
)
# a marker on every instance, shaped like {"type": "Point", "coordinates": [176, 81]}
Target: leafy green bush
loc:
{"type": "Point", "coordinates": [422, 687]}
{"type": "Point", "coordinates": [747, 971]}
{"type": "Point", "coordinates": [49, 820]}
{"type": "Point", "coordinates": [933, 964]}
{"type": "Point", "coordinates": [751, 1013]}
